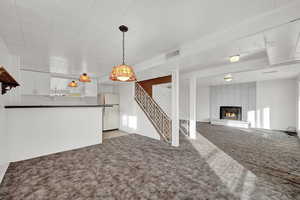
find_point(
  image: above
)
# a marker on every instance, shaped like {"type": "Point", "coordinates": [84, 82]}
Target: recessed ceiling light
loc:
{"type": "Point", "coordinates": [228, 77]}
{"type": "Point", "coordinates": [234, 59]}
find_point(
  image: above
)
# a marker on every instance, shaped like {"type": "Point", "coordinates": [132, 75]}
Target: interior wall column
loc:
{"type": "Point", "coordinates": [175, 108]}
{"type": "Point", "coordinates": [193, 102]}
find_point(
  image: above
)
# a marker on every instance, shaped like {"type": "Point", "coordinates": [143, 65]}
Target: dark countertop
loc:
{"type": "Point", "coordinates": [58, 106]}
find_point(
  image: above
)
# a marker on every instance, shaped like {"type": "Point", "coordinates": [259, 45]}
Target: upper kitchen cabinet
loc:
{"type": "Point", "coordinates": [35, 83]}
{"type": "Point", "coordinates": [91, 89]}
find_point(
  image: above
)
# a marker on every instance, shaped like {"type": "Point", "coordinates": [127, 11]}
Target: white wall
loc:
{"type": "Point", "coordinates": [132, 118]}
{"type": "Point", "coordinates": [243, 95]}
{"type": "Point", "coordinates": [144, 126]}
{"type": "Point", "coordinates": [128, 121]}
{"type": "Point", "coordinates": [65, 100]}
{"type": "Point", "coordinates": [203, 102]}
{"type": "Point", "coordinates": [37, 86]}
{"type": "Point", "coordinates": [3, 133]}
{"type": "Point", "coordinates": [266, 104]}
{"type": "Point", "coordinates": [34, 132]}
{"type": "Point", "coordinates": [163, 97]}
{"type": "Point", "coordinates": [277, 104]}
{"type": "Point", "coordinates": [106, 88]}
{"type": "Point", "coordinates": [9, 62]}
{"type": "Point", "coordinates": [3, 139]}
{"type": "Point", "coordinates": [184, 100]}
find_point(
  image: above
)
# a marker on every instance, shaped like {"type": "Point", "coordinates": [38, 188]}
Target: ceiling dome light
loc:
{"type": "Point", "coordinates": [123, 72]}
{"type": "Point", "coordinates": [84, 78]}
{"type": "Point", "coordinates": [234, 59]}
{"type": "Point", "coordinates": [228, 77]}
{"type": "Point", "coordinates": [73, 84]}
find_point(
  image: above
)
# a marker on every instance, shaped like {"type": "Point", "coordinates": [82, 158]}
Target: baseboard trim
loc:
{"type": "Point", "coordinates": [3, 169]}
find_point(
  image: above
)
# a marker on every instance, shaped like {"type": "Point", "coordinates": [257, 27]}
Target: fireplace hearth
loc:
{"type": "Point", "coordinates": [231, 112]}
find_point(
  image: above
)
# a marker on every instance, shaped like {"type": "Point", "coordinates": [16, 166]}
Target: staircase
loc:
{"type": "Point", "coordinates": [159, 119]}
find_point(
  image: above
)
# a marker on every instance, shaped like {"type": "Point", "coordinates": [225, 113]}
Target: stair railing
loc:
{"type": "Point", "coordinates": [159, 119]}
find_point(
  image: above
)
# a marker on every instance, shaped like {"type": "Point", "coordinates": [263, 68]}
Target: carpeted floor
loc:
{"type": "Point", "coordinates": [271, 155]}
{"type": "Point", "coordinates": [135, 167]}
{"type": "Point", "coordinates": [112, 134]}
{"type": "Point", "coordinates": [127, 167]}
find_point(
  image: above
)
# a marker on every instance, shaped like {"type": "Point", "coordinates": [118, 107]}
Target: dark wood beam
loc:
{"type": "Point", "coordinates": [147, 84]}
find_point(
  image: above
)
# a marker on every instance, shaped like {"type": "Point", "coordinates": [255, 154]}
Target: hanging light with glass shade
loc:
{"type": "Point", "coordinates": [73, 84]}
{"type": "Point", "coordinates": [123, 72]}
{"type": "Point", "coordinates": [84, 78]}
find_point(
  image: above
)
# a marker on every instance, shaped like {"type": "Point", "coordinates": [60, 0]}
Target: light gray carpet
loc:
{"type": "Point", "coordinates": [106, 135]}
{"type": "Point", "coordinates": [271, 155]}
{"type": "Point", "coordinates": [136, 167]}
{"type": "Point", "coordinates": [127, 167]}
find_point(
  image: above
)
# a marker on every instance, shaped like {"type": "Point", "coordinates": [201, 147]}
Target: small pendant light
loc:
{"type": "Point", "coordinates": [73, 84]}
{"type": "Point", "coordinates": [123, 72]}
{"type": "Point", "coordinates": [84, 78]}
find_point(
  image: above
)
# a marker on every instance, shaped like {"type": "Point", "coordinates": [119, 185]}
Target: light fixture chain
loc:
{"type": "Point", "coordinates": [123, 48]}
{"type": "Point", "coordinates": [123, 72]}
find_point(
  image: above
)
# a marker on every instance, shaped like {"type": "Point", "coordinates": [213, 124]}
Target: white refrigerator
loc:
{"type": "Point", "coordinates": [111, 113]}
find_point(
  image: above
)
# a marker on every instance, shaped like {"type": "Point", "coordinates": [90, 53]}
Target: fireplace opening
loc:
{"type": "Point", "coordinates": [231, 112]}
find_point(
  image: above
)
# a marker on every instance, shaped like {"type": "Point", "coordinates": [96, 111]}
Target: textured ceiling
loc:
{"type": "Point", "coordinates": [73, 36]}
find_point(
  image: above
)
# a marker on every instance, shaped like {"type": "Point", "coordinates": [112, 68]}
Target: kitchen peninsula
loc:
{"type": "Point", "coordinates": [37, 130]}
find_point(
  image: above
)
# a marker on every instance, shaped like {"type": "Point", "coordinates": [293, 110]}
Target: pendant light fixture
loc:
{"type": "Point", "coordinates": [123, 72]}
{"type": "Point", "coordinates": [73, 84]}
{"type": "Point", "coordinates": [84, 78]}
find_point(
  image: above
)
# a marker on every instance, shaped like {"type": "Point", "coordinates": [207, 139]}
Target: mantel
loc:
{"type": "Point", "coordinates": [8, 82]}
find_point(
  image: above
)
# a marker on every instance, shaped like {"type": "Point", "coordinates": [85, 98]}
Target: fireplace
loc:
{"type": "Point", "coordinates": [231, 112]}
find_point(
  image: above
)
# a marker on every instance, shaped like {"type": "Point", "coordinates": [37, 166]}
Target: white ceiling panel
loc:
{"type": "Point", "coordinates": [249, 48]}
{"type": "Point", "coordinates": [282, 43]}
{"type": "Point", "coordinates": [84, 33]}
{"type": "Point", "coordinates": [290, 71]}
{"type": "Point", "coordinates": [10, 28]}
